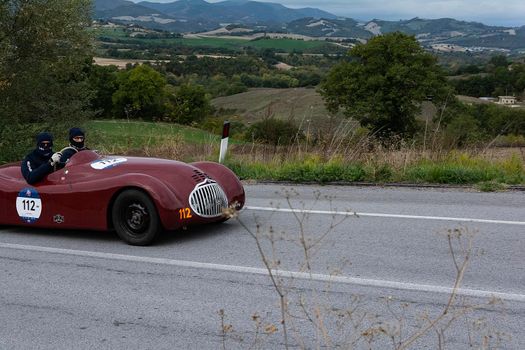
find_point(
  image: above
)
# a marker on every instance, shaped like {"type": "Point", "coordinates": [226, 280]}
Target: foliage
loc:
{"type": "Point", "coordinates": [296, 163]}
{"type": "Point", "coordinates": [462, 130]}
{"type": "Point", "coordinates": [384, 84]}
{"type": "Point", "coordinates": [140, 93]}
{"type": "Point", "coordinates": [465, 125]}
{"type": "Point", "coordinates": [273, 131]}
{"type": "Point", "coordinates": [211, 66]}
{"type": "Point", "coordinates": [462, 169]}
{"type": "Point", "coordinates": [306, 76]}
{"type": "Point", "coordinates": [211, 45]}
{"type": "Point", "coordinates": [220, 85]}
{"type": "Point", "coordinates": [103, 80]}
{"type": "Point", "coordinates": [188, 104]}
{"type": "Point", "coordinates": [44, 53]}
{"type": "Point", "coordinates": [497, 78]}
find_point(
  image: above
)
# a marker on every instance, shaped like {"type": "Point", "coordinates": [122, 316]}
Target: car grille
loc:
{"type": "Point", "coordinates": [199, 176]}
{"type": "Point", "coordinates": [208, 200]}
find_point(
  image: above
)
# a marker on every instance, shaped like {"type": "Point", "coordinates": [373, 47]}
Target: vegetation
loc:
{"type": "Point", "coordinates": [178, 45]}
{"type": "Point", "coordinates": [45, 53]}
{"type": "Point", "coordinates": [282, 132]}
{"type": "Point", "coordinates": [364, 161]}
{"type": "Point", "coordinates": [140, 93]}
{"type": "Point", "coordinates": [499, 77]}
{"type": "Point", "coordinates": [384, 83]}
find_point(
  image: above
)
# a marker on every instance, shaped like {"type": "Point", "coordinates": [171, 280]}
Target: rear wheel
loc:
{"type": "Point", "coordinates": [135, 218]}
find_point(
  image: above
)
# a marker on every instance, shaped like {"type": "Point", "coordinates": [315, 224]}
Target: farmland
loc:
{"type": "Point", "coordinates": [119, 37]}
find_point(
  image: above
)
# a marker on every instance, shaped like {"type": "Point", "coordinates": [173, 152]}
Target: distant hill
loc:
{"type": "Point", "coordinates": [115, 8]}
{"type": "Point", "coordinates": [201, 15]}
{"type": "Point", "coordinates": [445, 33]}
{"type": "Point", "coordinates": [347, 28]}
{"type": "Point", "coordinates": [185, 16]}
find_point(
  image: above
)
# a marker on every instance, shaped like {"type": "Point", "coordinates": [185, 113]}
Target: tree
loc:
{"type": "Point", "coordinates": [103, 80]}
{"type": "Point", "coordinates": [140, 93]}
{"type": "Point", "coordinates": [189, 104]}
{"type": "Point", "coordinates": [44, 52]}
{"type": "Point", "coordinates": [384, 82]}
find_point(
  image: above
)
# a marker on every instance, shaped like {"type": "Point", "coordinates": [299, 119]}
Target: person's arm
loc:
{"type": "Point", "coordinates": [66, 154]}
{"type": "Point", "coordinates": [31, 175]}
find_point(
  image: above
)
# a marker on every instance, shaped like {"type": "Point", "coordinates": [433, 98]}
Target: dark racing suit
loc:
{"type": "Point", "coordinates": [36, 166]}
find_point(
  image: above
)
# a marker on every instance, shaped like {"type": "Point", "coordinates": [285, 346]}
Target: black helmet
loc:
{"type": "Point", "coordinates": [76, 132]}
{"type": "Point", "coordinates": [44, 143]}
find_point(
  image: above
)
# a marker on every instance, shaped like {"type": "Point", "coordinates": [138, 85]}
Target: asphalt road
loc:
{"type": "Point", "coordinates": [377, 269]}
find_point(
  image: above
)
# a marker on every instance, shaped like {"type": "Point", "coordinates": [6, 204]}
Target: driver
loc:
{"type": "Point", "coordinates": [41, 161]}
{"type": "Point", "coordinates": [77, 139]}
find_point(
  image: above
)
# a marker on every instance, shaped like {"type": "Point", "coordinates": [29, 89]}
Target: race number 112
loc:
{"type": "Point", "coordinates": [29, 204]}
{"type": "Point", "coordinates": [185, 213]}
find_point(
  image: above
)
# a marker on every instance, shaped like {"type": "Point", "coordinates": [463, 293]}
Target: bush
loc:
{"type": "Point", "coordinates": [189, 104]}
{"type": "Point", "coordinates": [274, 132]}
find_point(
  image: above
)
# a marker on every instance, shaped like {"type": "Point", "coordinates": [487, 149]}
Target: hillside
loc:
{"type": "Point", "coordinates": [304, 106]}
{"type": "Point", "coordinates": [199, 15]}
{"type": "Point", "coordinates": [190, 16]}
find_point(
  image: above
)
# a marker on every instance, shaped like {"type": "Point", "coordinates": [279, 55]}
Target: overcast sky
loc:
{"type": "Point", "coordinates": [493, 12]}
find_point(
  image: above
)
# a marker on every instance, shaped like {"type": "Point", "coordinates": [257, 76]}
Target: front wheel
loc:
{"type": "Point", "coordinates": [135, 218]}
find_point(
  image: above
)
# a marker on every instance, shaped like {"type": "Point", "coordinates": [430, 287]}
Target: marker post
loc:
{"type": "Point", "coordinates": [224, 141]}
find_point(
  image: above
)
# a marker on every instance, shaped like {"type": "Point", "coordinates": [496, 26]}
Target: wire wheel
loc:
{"type": "Point", "coordinates": [135, 218]}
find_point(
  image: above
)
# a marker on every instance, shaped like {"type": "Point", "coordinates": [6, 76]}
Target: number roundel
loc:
{"type": "Point", "coordinates": [29, 205]}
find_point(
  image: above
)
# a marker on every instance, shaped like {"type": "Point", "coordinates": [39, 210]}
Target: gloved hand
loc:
{"type": "Point", "coordinates": [55, 158]}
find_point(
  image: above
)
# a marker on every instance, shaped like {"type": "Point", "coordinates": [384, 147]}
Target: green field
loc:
{"type": "Point", "coordinates": [284, 45]}
{"type": "Point", "coordinates": [121, 134]}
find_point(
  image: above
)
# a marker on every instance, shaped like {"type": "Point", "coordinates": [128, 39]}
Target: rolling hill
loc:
{"type": "Point", "coordinates": [187, 16]}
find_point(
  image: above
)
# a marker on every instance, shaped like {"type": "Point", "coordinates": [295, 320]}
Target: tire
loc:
{"type": "Point", "coordinates": [135, 218]}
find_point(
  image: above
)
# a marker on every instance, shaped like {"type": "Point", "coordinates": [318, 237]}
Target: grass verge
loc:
{"type": "Point", "coordinates": [492, 169]}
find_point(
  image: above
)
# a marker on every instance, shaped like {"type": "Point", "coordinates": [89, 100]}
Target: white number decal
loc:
{"type": "Point", "coordinates": [29, 205]}
{"type": "Point", "coordinates": [107, 163]}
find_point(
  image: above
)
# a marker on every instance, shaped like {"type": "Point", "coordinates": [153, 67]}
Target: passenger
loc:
{"type": "Point", "coordinates": [41, 161]}
{"type": "Point", "coordinates": [77, 143]}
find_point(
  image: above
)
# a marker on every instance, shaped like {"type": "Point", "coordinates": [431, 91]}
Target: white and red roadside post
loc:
{"type": "Point", "coordinates": [224, 141]}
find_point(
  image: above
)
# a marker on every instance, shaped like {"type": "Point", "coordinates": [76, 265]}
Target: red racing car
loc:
{"type": "Point", "coordinates": [137, 197]}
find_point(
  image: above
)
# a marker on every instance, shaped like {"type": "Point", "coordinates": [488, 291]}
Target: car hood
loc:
{"type": "Point", "coordinates": [170, 171]}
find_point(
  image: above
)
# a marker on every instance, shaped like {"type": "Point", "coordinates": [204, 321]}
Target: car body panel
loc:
{"type": "Point", "coordinates": [80, 195]}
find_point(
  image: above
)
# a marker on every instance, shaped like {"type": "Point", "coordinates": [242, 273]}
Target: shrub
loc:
{"type": "Point", "coordinates": [189, 104]}
{"type": "Point", "coordinates": [274, 131]}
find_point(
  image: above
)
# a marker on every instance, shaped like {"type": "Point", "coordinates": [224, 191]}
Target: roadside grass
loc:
{"type": "Point", "coordinates": [464, 169]}
{"type": "Point", "coordinates": [358, 161]}
{"type": "Point", "coordinates": [121, 135]}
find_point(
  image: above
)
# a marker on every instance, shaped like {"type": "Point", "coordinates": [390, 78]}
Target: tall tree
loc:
{"type": "Point", "coordinates": [384, 82]}
{"type": "Point", "coordinates": [44, 50]}
{"type": "Point", "coordinates": [140, 93]}
{"type": "Point", "coordinates": [189, 104]}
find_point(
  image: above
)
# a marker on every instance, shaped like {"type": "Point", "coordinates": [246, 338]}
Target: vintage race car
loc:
{"type": "Point", "coordinates": [137, 197]}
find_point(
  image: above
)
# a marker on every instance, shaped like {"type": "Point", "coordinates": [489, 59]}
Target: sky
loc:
{"type": "Point", "coordinates": [510, 13]}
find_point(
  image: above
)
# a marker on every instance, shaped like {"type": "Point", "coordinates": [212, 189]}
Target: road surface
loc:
{"type": "Point", "coordinates": [355, 265]}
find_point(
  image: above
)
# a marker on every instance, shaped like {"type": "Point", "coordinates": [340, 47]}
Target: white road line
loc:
{"type": "Point", "coordinates": [380, 215]}
{"type": "Point", "coordinates": [285, 274]}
